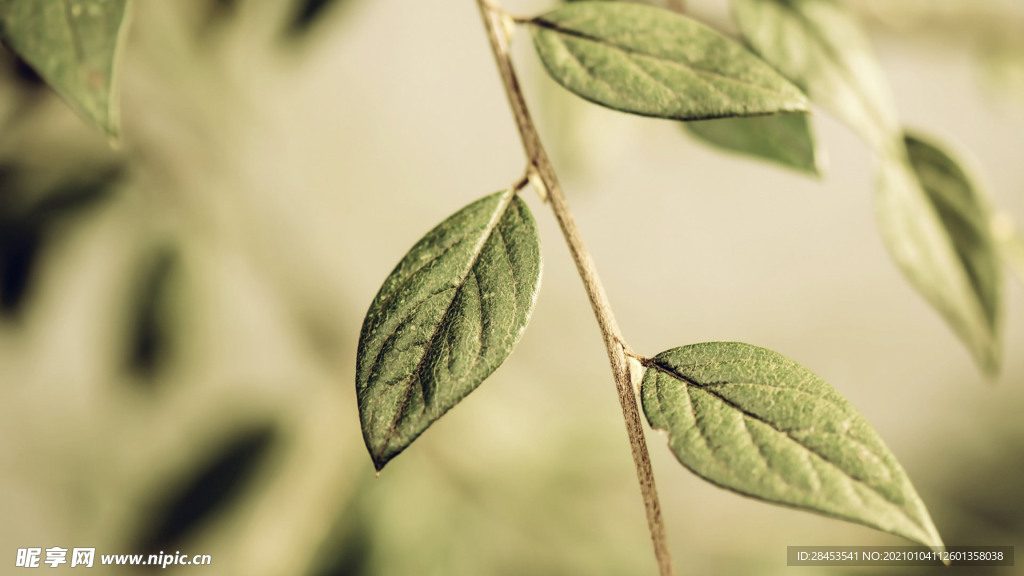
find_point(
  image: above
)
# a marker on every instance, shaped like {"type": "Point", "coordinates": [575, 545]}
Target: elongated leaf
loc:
{"type": "Point", "coordinates": [27, 227]}
{"type": "Point", "coordinates": [151, 331]}
{"type": "Point", "coordinates": [74, 46]}
{"type": "Point", "coordinates": [784, 139]}
{"type": "Point", "coordinates": [209, 489]}
{"type": "Point", "coordinates": [936, 226]}
{"type": "Point", "coordinates": [653, 62]}
{"type": "Point", "coordinates": [447, 316]}
{"type": "Point", "coordinates": [820, 46]}
{"type": "Point", "coordinates": [753, 421]}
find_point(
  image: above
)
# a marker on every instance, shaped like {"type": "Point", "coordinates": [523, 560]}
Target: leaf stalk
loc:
{"type": "Point", "coordinates": [613, 340]}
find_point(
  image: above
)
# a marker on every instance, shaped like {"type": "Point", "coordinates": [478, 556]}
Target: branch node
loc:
{"type": "Point", "coordinates": [537, 181]}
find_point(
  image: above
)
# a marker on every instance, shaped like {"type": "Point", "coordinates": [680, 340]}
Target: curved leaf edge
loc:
{"type": "Point", "coordinates": [110, 123]}
{"type": "Point", "coordinates": [511, 198]}
{"type": "Point", "coordinates": [654, 363]}
{"type": "Point", "coordinates": [801, 106]}
{"type": "Point", "coordinates": [986, 347]}
{"type": "Point", "coordinates": [815, 169]}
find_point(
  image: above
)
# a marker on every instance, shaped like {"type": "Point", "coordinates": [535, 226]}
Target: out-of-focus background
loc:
{"type": "Point", "coordinates": [179, 317]}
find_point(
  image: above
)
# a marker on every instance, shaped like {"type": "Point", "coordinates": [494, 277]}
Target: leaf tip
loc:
{"type": "Point", "coordinates": [378, 463]}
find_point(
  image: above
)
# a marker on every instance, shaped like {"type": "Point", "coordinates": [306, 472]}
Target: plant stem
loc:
{"type": "Point", "coordinates": [613, 340]}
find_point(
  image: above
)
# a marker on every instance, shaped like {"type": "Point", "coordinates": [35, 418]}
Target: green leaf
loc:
{"type": "Point", "coordinates": [447, 316]}
{"type": "Point", "coordinates": [936, 226]}
{"type": "Point", "coordinates": [653, 62]}
{"type": "Point", "coordinates": [821, 47]}
{"type": "Point", "coordinates": [755, 422]}
{"type": "Point", "coordinates": [74, 45]}
{"type": "Point", "coordinates": [784, 139]}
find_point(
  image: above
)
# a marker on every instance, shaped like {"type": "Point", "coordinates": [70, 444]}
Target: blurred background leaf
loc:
{"type": "Point", "coordinates": [820, 46]}
{"type": "Point", "coordinates": [966, 217]}
{"type": "Point", "coordinates": [307, 13]}
{"type": "Point", "coordinates": [936, 244]}
{"type": "Point", "coordinates": [29, 218]}
{"type": "Point", "coordinates": [151, 342]}
{"type": "Point", "coordinates": [206, 491]}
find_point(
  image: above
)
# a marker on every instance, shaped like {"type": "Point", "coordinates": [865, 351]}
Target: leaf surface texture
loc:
{"type": "Point", "coordinates": [447, 316]}
{"type": "Point", "coordinates": [74, 46]}
{"type": "Point", "coordinates": [755, 422]}
{"type": "Point", "coordinates": [653, 62]}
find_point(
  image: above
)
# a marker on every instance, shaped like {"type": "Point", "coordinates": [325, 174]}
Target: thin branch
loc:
{"type": "Point", "coordinates": [522, 182]}
{"type": "Point", "coordinates": [613, 340]}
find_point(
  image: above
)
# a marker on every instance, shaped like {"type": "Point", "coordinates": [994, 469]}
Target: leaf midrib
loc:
{"type": "Point", "coordinates": [705, 387]}
{"type": "Point", "coordinates": [76, 40]}
{"type": "Point", "coordinates": [499, 213]}
{"type": "Point", "coordinates": [831, 514]}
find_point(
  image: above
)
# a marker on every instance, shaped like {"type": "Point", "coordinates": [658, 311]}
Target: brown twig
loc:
{"type": "Point", "coordinates": [613, 341]}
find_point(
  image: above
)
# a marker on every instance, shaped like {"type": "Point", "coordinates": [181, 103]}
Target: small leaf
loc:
{"type": "Point", "coordinates": [26, 228]}
{"type": "Point", "coordinates": [74, 46]}
{"type": "Point", "coordinates": [211, 488]}
{"type": "Point", "coordinates": [653, 62]}
{"type": "Point", "coordinates": [785, 139]}
{"type": "Point", "coordinates": [755, 422]}
{"type": "Point", "coordinates": [151, 343]}
{"type": "Point", "coordinates": [446, 318]}
{"type": "Point", "coordinates": [821, 47]}
{"type": "Point", "coordinates": [936, 226]}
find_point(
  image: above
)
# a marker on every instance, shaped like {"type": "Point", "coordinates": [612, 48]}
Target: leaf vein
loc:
{"type": "Point", "coordinates": [634, 52]}
{"type": "Point", "coordinates": [474, 259]}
